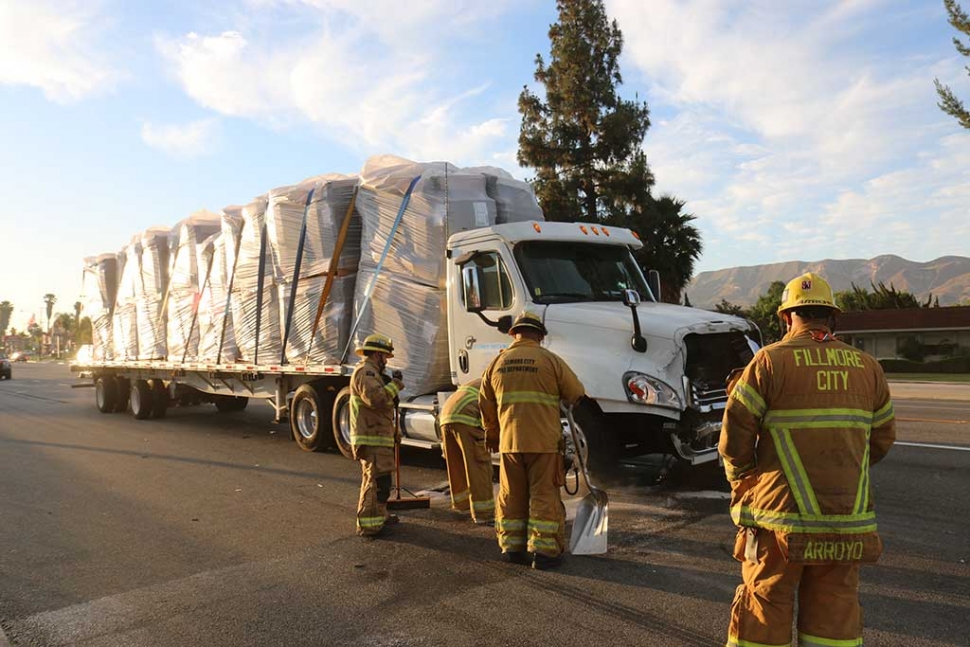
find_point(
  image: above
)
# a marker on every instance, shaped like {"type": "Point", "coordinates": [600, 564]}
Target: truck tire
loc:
{"type": "Point", "coordinates": [140, 399]}
{"type": "Point", "coordinates": [106, 394]}
{"type": "Point", "coordinates": [160, 397]}
{"type": "Point", "coordinates": [230, 403]}
{"type": "Point", "coordinates": [124, 390]}
{"type": "Point", "coordinates": [311, 417]}
{"type": "Point", "coordinates": [602, 443]}
{"type": "Point", "coordinates": [341, 422]}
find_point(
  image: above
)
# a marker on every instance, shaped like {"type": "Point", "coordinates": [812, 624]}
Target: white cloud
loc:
{"type": "Point", "coordinates": [182, 140]}
{"type": "Point", "coordinates": [52, 46]}
{"type": "Point", "coordinates": [368, 74]}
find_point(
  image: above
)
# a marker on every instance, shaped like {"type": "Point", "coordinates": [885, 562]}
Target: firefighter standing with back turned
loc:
{"type": "Point", "coordinates": [803, 424]}
{"type": "Point", "coordinates": [519, 401]}
{"type": "Point", "coordinates": [372, 433]}
{"type": "Point", "coordinates": [469, 462]}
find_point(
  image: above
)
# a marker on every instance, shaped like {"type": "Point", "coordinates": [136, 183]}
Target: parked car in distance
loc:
{"type": "Point", "coordinates": [84, 356]}
{"type": "Point", "coordinates": [19, 356]}
{"type": "Point", "coordinates": [6, 369]}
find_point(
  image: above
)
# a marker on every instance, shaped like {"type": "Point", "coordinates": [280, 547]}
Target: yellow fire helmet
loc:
{"type": "Point", "coordinates": [529, 320]}
{"type": "Point", "coordinates": [809, 289]}
{"type": "Point", "coordinates": [376, 343]}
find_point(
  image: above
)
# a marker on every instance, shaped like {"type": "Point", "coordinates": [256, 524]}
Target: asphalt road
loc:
{"type": "Point", "coordinates": [213, 529]}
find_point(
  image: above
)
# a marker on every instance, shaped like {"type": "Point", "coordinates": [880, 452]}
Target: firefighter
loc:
{"type": "Point", "coordinates": [803, 424]}
{"type": "Point", "coordinates": [372, 433]}
{"type": "Point", "coordinates": [469, 462]}
{"type": "Point", "coordinates": [519, 400]}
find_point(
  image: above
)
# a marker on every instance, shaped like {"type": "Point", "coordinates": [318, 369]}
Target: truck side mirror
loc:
{"type": "Point", "coordinates": [653, 280]}
{"type": "Point", "coordinates": [471, 280]}
{"type": "Point", "coordinates": [631, 298]}
{"type": "Point", "coordinates": [505, 324]}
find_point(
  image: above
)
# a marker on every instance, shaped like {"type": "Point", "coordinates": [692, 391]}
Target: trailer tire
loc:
{"type": "Point", "coordinates": [106, 394]}
{"type": "Point", "coordinates": [341, 423]}
{"type": "Point", "coordinates": [140, 399]}
{"type": "Point", "coordinates": [230, 403]}
{"type": "Point", "coordinates": [310, 418]}
{"type": "Point", "coordinates": [160, 398]}
{"type": "Point", "coordinates": [124, 391]}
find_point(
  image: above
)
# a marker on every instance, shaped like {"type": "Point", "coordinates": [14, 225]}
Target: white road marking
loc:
{"type": "Point", "coordinates": [929, 446]}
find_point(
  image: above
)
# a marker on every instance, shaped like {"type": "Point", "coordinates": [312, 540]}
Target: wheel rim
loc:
{"type": "Point", "coordinates": [135, 399]}
{"type": "Point", "coordinates": [343, 423]}
{"type": "Point", "coordinates": [99, 394]}
{"type": "Point", "coordinates": [306, 418]}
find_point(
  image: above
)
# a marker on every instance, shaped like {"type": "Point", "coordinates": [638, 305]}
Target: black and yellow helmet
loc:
{"type": "Point", "coordinates": [378, 344]}
{"type": "Point", "coordinates": [529, 320]}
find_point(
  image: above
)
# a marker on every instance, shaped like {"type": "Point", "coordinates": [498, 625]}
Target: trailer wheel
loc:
{"type": "Point", "coordinates": [123, 390]}
{"type": "Point", "coordinates": [140, 399]}
{"type": "Point", "coordinates": [310, 418]}
{"type": "Point", "coordinates": [341, 423]}
{"type": "Point", "coordinates": [230, 403]}
{"type": "Point", "coordinates": [106, 394]}
{"type": "Point", "coordinates": [160, 397]}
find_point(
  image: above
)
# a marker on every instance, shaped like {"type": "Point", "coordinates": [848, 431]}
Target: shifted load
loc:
{"type": "Point", "coordinates": [236, 287]}
{"type": "Point", "coordinates": [99, 289]}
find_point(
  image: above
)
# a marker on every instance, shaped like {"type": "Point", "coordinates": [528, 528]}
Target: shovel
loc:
{"type": "Point", "coordinates": [592, 516]}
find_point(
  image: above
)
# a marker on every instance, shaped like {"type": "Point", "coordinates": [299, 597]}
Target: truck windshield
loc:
{"type": "Point", "coordinates": [564, 272]}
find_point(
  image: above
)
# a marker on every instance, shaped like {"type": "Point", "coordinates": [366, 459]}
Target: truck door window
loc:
{"type": "Point", "coordinates": [496, 286]}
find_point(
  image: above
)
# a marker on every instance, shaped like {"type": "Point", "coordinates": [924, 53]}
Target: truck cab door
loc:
{"type": "Point", "coordinates": [473, 341]}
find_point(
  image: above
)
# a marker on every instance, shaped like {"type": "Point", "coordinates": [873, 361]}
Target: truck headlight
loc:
{"type": "Point", "coordinates": [643, 389]}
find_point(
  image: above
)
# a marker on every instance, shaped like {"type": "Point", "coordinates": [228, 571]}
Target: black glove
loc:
{"type": "Point", "coordinates": [397, 375]}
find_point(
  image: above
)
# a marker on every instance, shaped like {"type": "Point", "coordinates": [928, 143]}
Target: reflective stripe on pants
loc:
{"type": "Point", "coordinates": [469, 470]}
{"type": "Point", "coordinates": [529, 510]}
{"type": "Point", "coordinates": [376, 463]}
{"type": "Point", "coordinates": [828, 599]}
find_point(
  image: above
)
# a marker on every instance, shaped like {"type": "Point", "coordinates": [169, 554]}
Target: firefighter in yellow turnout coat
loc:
{"type": "Point", "coordinates": [519, 401]}
{"type": "Point", "coordinates": [804, 423]}
{"type": "Point", "coordinates": [372, 433]}
{"type": "Point", "coordinates": [469, 462]}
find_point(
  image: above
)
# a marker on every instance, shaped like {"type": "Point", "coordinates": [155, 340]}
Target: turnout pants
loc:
{"type": "Point", "coordinates": [469, 470]}
{"type": "Point", "coordinates": [529, 510]}
{"type": "Point", "coordinates": [829, 614]}
{"type": "Point", "coordinates": [376, 466]}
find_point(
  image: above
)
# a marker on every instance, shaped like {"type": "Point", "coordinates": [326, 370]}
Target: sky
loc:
{"type": "Point", "coordinates": [797, 130]}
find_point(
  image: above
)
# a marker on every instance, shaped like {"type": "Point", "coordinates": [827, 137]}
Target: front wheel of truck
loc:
{"type": "Point", "coordinates": [310, 418]}
{"type": "Point", "coordinates": [341, 423]}
{"type": "Point", "coordinates": [602, 442]}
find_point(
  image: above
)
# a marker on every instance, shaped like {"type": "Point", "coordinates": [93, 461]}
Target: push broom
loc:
{"type": "Point", "coordinates": [412, 501]}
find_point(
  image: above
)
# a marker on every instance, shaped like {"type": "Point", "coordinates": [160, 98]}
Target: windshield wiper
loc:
{"type": "Point", "coordinates": [563, 296]}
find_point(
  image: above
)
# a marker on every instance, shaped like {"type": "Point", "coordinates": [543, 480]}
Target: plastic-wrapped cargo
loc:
{"type": "Point", "coordinates": [284, 222]}
{"type": "Point", "coordinates": [415, 317]}
{"type": "Point", "coordinates": [444, 201]}
{"type": "Point", "coordinates": [99, 289]}
{"type": "Point", "coordinates": [150, 292]}
{"type": "Point", "coordinates": [125, 319]}
{"type": "Point", "coordinates": [215, 322]}
{"type": "Point", "coordinates": [515, 201]}
{"type": "Point", "coordinates": [333, 330]}
{"type": "Point", "coordinates": [249, 312]}
{"type": "Point", "coordinates": [188, 274]}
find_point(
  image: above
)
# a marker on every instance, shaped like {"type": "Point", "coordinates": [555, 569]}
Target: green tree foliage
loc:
{"type": "Point", "coordinates": [85, 333]}
{"type": "Point", "coordinates": [49, 301]}
{"type": "Point", "coordinates": [880, 298]}
{"type": "Point", "coordinates": [949, 103]}
{"type": "Point", "coordinates": [765, 313]}
{"type": "Point", "coordinates": [585, 143]}
{"type": "Point", "coordinates": [725, 307]}
{"type": "Point", "coordinates": [6, 309]}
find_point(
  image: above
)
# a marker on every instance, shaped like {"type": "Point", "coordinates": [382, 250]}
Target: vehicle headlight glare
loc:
{"type": "Point", "coordinates": [643, 389]}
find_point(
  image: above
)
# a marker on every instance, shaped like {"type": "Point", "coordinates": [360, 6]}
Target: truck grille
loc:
{"type": "Point", "coordinates": [710, 358]}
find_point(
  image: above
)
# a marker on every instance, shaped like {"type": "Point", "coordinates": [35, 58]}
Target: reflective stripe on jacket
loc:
{"type": "Point", "coordinates": [520, 394]}
{"type": "Point", "coordinates": [461, 407]}
{"type": "Point", "coordinates": [371, 406]}
{"type": "Point", "coordinates": [802, 426]}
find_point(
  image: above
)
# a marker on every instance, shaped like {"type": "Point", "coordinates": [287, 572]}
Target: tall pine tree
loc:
{"type": "Point", "coordinates": [949, 103]}
{"type": "Point", "coordinates": [585, 143]}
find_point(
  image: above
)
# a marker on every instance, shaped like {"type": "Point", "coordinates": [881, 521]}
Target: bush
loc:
{"type": "Point", "coordinates": [948, 365]}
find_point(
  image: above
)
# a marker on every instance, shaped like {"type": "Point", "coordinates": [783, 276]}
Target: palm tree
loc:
{"type": "Point", "coordinates": [49, 301]}
{"type": "Point", "coordinates": [671, 244]}
{"type": "Point", "coordinates": [6, 309]}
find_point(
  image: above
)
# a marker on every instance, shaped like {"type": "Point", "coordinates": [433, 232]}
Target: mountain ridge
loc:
{"type": "Point", "coordinates": [946, 278]}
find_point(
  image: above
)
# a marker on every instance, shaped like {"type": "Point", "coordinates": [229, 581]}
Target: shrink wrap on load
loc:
{"type": "Point", "coordinates": [414, 316]}
{"type": "Point", "coordinates": [215, 321]}
{"type": "Point", "coordinates": [333, 329]}
{"type": "Point", "coordinates": [325, 214]}
{"type": "Point", "coordinates": [125, 319]}
{"type": "Point", "coordinates": [515, 201]}
{"type": "Point", "coordinates": [444, 201]}
{"type": "Point", "coordinates": [189, 273]}
{"type": "Point", "coordinates": [99, 290]}
{"type": "Point", "coordinates": [248, 313]}
{"type": "Point", "coordinates": [150, 292]}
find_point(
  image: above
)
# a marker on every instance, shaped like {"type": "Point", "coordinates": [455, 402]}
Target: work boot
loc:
{"type": "Point", "coordinates": [391, 519]}
{"type": "Point", "coordinates": [545, 562]}
{"type": "Point", "coordinates": [484, 522]}
{"type": "Point", "coordinates": [517, 557]}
